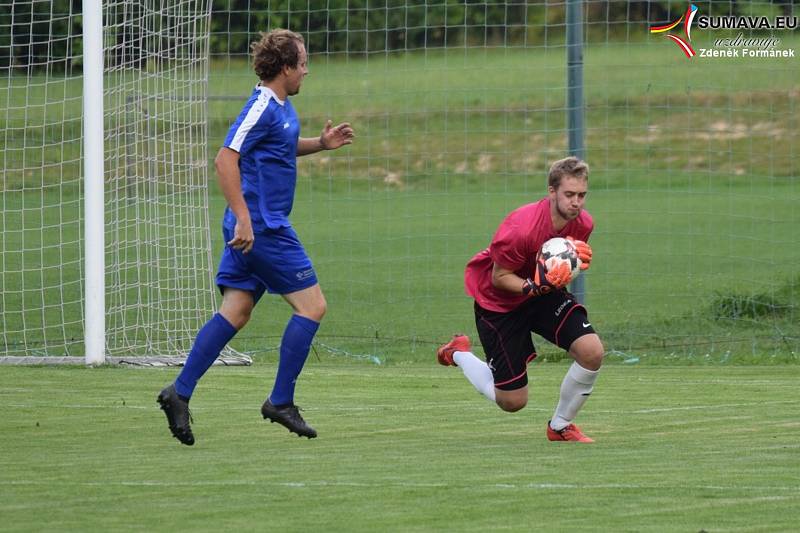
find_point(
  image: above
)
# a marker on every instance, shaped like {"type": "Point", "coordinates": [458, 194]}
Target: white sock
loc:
{"type": "Point", "coordinates": [575, 389]}
{"type": "Point", "coordinates": [478, 373]}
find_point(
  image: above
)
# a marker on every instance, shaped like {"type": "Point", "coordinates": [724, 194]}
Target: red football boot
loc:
{"type": "Point", "coordinates": [444, 354]}
{"type": "Point", "coordinates": [571, 433]}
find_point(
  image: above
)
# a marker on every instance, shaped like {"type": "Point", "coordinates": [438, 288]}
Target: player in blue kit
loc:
{"type": "Point", "coordinates": [257, 169]}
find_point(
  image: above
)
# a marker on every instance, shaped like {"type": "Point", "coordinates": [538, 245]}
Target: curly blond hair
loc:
{"type": "Point", "coordinates": [275, 50]}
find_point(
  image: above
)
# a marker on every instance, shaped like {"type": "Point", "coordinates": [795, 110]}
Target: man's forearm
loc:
{"type": "Point", "coordinates": [508, 281]}
{"type": "Point", "coordinates": [309, 145]}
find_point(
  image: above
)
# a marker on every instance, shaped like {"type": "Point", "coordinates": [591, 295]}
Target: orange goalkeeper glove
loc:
{"type": "Point", "coordinates": [544, 281]}
{"type": "Point", "coordinates": [584, 252]}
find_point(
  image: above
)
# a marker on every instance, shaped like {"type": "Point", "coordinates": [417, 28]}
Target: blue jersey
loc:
{"type": "Point", "coordinates": [265, 134]}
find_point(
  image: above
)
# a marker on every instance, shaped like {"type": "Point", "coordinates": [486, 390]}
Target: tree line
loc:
{"type": "Point", "coordinates": [35, 33]}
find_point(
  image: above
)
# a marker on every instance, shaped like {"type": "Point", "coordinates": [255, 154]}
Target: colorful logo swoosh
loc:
{"type": "Point", "coordinates": [687, 19]}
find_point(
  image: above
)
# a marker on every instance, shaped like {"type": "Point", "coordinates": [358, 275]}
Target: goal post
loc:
{"type": "Point", "coordinates": [105, 247]}
{"type": "Point", "coordinates": [94, 184]}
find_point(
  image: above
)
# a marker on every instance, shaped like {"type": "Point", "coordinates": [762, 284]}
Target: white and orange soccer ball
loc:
{"type": "Point", "coordinates": [559, 250]}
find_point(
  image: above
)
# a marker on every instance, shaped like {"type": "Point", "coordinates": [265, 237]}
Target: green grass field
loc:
{"type": "Point", "coordinates": [404, 447]}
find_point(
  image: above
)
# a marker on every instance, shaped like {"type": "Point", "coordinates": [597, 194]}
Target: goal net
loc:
{"type": "Point", "coordinates": [158, 267]}
{"type": "Point", "coordinates": [459, 108]}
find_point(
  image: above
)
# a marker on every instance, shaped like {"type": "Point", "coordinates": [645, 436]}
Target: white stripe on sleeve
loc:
{"type": "Point", "coordinates": [255, 112]}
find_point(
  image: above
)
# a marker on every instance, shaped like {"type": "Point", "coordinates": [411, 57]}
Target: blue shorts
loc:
{"type": "Point", "coordinates": [277, 263]}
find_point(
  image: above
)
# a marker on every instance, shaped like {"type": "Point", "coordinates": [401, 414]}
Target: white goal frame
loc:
{"type": "Point", "coordinates": [94, 185]}
{"type": "Point", "coordinates": [156, 167]}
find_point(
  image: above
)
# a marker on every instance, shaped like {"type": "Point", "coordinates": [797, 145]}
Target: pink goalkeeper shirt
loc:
{"type": "Point", "coordinates": [514, 247]}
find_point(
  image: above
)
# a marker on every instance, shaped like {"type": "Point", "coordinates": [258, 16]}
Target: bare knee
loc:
{"type": "Point", "coordinates": [237, 306]}
{"type": "Point", "coordinates": [317, 311]}
{"type": "Point", "coordinates": [238, 318]}
{"type": "Point", "coordinates": [511, 406]}
{"type": "Point", "coordinates": [512, 400]}
{"type": "Point", "coordinates": [593, 359]}
{"type": "Point", "coordinates": [588, 352]}
{"type": "Point", "coordinates": [309, 303]}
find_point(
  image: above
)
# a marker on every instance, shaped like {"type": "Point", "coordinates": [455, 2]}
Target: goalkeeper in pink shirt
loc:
{"type": "Point", "coordinates": [516, 296]}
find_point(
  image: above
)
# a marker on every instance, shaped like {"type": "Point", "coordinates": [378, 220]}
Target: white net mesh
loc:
{"type": "Point", "coordinates": [40, 180]}
{"type": "Point", "coordinates": [158, 263]}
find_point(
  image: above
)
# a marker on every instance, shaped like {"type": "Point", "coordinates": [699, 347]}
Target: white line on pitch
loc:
{"type": "Point", "coordinates": [323, 483]}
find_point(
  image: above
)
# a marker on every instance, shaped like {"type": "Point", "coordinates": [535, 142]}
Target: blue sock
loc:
{"type": "Point", "coordinates": [210, 340]}
{"type": "Point", "coordinates": [295, 345]}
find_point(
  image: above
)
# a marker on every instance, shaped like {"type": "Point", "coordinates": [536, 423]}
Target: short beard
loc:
{"type": "Point", "coordinates": [564, 215]}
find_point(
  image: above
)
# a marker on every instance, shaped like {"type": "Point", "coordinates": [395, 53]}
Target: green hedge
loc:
{"type": "Point", "coordinates": [38, 33]}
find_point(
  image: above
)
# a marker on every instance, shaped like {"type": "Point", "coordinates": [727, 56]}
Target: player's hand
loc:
{"type": "Point", "coordinates": [560, 276]}
{"type": "Point", "coordinates": [544, 282]}
{"type": "Point", "coordinates": [333, 137]}
{"type": "Point", "coordinates": [584, 252]}
{"type": "Point", "coordinates": [243, 237]}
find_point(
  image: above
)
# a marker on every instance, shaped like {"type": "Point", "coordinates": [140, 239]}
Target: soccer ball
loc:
{"type": "Point", "coordinates": [558, 250]}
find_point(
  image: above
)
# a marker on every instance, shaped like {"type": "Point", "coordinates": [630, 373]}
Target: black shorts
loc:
{"type": "Point", "coordinates": [507, 340]}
